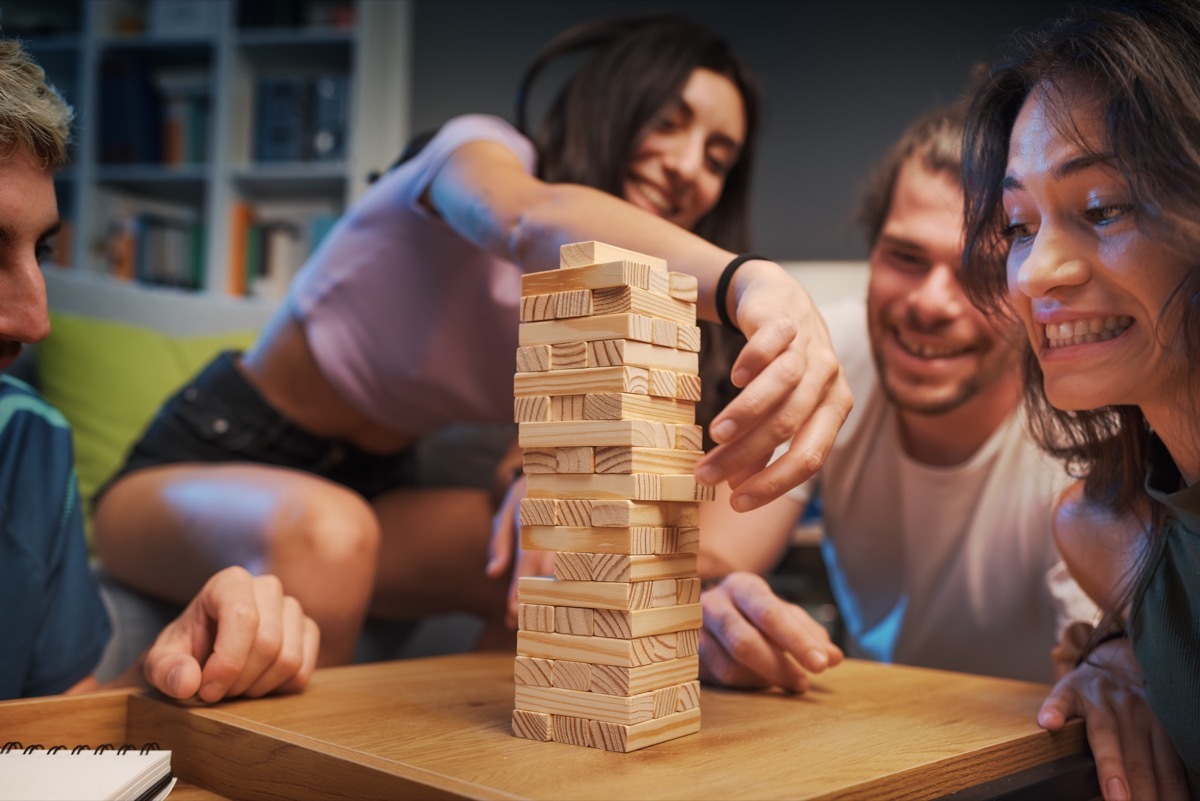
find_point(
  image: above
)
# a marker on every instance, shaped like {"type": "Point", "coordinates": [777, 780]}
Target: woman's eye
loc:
{"type": "Point", "coordinates": [1016, 232]}
{"type": "Point", "coordinates": [1104, 215]}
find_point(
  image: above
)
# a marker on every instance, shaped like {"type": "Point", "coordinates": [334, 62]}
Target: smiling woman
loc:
{"type": "Point", "coordinates": [301, 456]}
{"type": "Point", "coordinates": [1084, 218]}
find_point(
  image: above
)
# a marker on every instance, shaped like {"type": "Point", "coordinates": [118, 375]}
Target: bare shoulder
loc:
{"type": "Point", "coordinates": [1100, 548]}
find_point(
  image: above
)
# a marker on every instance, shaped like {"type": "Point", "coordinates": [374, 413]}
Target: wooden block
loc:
{"type": "Point", "coordinates": [617, 680]}
{"type": "Point", "coordinates": [534, 359]}
{"type": "Point", "coordinates": [665, 701]}
{"type": "Point", "coordinates": [573, 620]}
{"type": "Point", "coordinates": [685, 488]}
{"type": "Point", "coordinates": [631, 513]}
{"type": "Point", "coordinates": [573, 566]}
{"type": "Point", "coordinates": [623, 739]}
{"type": "Point", "coordinates": [569, 355]}
{"type": "Point", "coordinates": [663, 384]}
{"type": "Point", "coordinates": [614, 352]}
{"type": "Point", "coordinates": [635, 486]}
{"type": "Point", "coordinates": [619, 272]}
{"type": "Point", "coordinates": [595, 594]}
{"type": "Point", "coordinates": [573, 303]}
{"type": "Point", "coordinates": [532, 725]}
{"type": "Point", "coordinates": [687, 540]}
{"type": "Point", "coordinates": [559, 460]}
{"type": "Point", "coordinates": [689, 696]}
{"type": "Point", "coordinates": [638, 623]}
{"type": "Point", "coordinates": [535, 617]}
{"type": "Point", "coordinates": [682, 286]}
{"type": "Point", "coordinates": [581, 254]}
{"type": "Point", "coordinates": [538, 512]}
{"type": "Point", "coordinates": [687, 387]}
{"type": "Point", "coordinates": [687, 642]}
{"type": "Point", "coordinates": [533, 671]}
{"type": "Point", "coordinates": [687, 438]}
{"type": "Point", "coordinates": [537, 307]}
{"type": "Point", "coordinates": [592, 706]}
{"type": "Point", "coordinates": [600, 540]}
{"type": "Point", "coordinates": [642, 433]}
{"type": "Point", "coordinates": [687, 337]}
{"type": "Point", "coordinates": [623, 567]}
{"type": "Point", "coordinates": [565, 408]}
{"type": "Point", "coordinates": [532, 410]}
{"type": "Point", "coordinates": [628, 459]}
{"type": "Point", "coordinates": [597, 650]}
{"type": "Point", "coordinates": [621, 299]}
{"type": "Point", "coordinates": [627, 406]}
{"type": "Point", "coordinates": [581, 382]}
{"type": "Point", "coordinates": [687, 589]}
{"type": "Point", "coordinates": [572, 730]}
{"type": "Point", "coordinates": [586, 329]}
{"type": "Point", "coordinates": [568, 675]}
{"type": "Point", "coordinates": [573, 512]}
{"type": "Point", "coordinates": [664, 332]}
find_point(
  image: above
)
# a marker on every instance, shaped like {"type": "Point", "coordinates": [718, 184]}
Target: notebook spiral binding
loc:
{"type": "Point", "coordinates": [13, 746]}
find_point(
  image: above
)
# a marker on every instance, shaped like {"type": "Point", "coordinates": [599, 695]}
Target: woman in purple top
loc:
{"type": "Point", "coordinates": [297, 457]}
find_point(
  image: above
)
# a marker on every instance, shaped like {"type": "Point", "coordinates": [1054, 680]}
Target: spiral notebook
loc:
{"type": "Point", "coordinates": [127, 773]}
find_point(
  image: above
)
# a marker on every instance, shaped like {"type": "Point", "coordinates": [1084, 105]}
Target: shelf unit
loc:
{"type": "Point", "coordinates": [212, 59]}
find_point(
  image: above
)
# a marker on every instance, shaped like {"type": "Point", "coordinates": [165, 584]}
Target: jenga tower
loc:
{"type": "Point", "coordinates": [606, 387]}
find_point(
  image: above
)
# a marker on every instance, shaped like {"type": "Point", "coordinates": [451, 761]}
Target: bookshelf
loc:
{"type": "Point", "coordinates": [216, 138]}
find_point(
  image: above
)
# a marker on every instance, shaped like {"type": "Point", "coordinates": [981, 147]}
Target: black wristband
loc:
{"type": "Point", "coordinates": [723, 287]}
{"type": "Point", "coordinates": [1109, 636]}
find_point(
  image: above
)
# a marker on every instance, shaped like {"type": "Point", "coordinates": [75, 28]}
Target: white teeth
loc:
{"type": "Point", "coordinates": [656, 198]}
{"type": "Point", "coordinates": [1083, 332]}
{"type": "Point", "coordinates": [926, 351]}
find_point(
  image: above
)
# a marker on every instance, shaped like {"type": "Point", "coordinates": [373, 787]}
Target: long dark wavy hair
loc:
{"type": "Point", "coordinates": [1140, 63]}
{"type": "Point", "coordinates": [633, 69]}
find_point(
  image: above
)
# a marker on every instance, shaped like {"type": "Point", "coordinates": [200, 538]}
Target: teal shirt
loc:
{"type": "Point", "coordinates": [1165, 623]}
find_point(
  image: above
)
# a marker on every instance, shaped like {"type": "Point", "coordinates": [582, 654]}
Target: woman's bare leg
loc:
{"type": "Point", "coordinates": [166, 530]}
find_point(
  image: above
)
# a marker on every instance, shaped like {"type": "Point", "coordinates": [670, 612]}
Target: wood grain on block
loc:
{"type": "Point", "coordinates": [571, 730]}
{"type": "Point", "coordinates": [600, 540]}
{"type": "Point", "coordinates": [687, 540]}
{"type": "Point", "coordinates": [687, 590]}
{"type": "Point", "coordinates": [687, 438]}
{"type": "Point", "coordinates": [689, 696]}
{"type": "Point", "coordinates": [683, 286]}
{"type": "Point", "coordinates": [596, 594]}
{"type": "Point", "coordinates": [626, 406]}
{"type": "Point", "coordinates": [665, 701]}
{"type": "Point", "coordinates": [573, 303]}
{"type": "Point", "coordinates": [687, 387]}
{"type": "Point", "coordinates": [687, 642]}
{"type": "Point", "coordinates": [687, 337]}
{"type": "Point", "coordinates": [573, 620]}
{"type": "Point", "coordinates": [539, 512]}
{"type": "Point", "coordinates": [623, 739]}
{"type": "Point", "coordinates": [664, 333]}
{"type": "Point", "coordinates": [568, 355]}
{"type": "Point", "coordinates": [573, 566]}
{"type": "Point", "coordinates": [633, 513]}
{"type": "Point", "coordinates": [586, 329]}
{"type": "Point", "coordinates": [663, 384]}
{"type": "Point", "coordinates": [618, 680]}
{"type": "Point", "coordinates": [568, 675]}
{"type": "Point", "coordinates": [625, 709]}
{"type": "Point", "coordinates": [635, 486]}
{"type": "Point", "coordinates": [685, 488]}
{"type": "Point", "coordinates": [581, 254]}
{"type": "Point", "coordinates": [646, 622]}
{"type": "Point", "coordinates": [615, 300]}
{"type": "Point", "coordinates": [614, 352]}
{"type": "Point", "coordinates": [593, 276]}
{"type": "Point", "coordinates": [532, 725]}
{"type": "Point", "coordinates": [533, 671]}
{"type": "Point", "coordinates": [566, 408]}
{"type": "Point", "coordinates": [534, 359]}
{"type": "Point", "coordinates": [581, 382]}
{"type": "Point", "coordinates": [531, 409]}
{"type": "Point", "coordinates": [535, 617]}
{"type": "Point", "coordinates": [559, 460]}
{"type": "Point", "coordinates": [642, 433]}
{"type": "Point", "coordinates": [597, 650]}
{"type": "Point", "coordinates": [628, 459]}
{"type": "Point", "coordinates": [537, 307]}
{"type": "Point", "coordinates": [628, 567]}
{"type": "Point", "coordinates": [574, 512]}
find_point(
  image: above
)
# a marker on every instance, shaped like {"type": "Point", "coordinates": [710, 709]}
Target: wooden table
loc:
{"type": "Point", "coordinates": [439, 728]}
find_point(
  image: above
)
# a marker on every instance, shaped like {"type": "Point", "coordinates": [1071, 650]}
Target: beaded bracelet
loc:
{"type": "Point", "coordinates": [723, 287]}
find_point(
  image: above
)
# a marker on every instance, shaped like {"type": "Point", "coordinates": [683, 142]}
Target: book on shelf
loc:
{"type": "Point", "coordinates": [270, 243]}
{"type": "Point", "coordinates": [301, 117]}
{"type": "Point", "coordinates": [154, 243]}
{"type": "Point", "coordinates": [185, 108]}
{"type": "Point", "coordinates": [131, 122]}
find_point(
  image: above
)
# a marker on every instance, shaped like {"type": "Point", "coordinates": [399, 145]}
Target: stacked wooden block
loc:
{"type": "Point", "coordinates": [606, 386]}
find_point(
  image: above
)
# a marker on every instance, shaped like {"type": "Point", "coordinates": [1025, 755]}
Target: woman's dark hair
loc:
{"type": "Point", "coordinates": [634, 68]}
{"type": "Point", "coordinates": [1139, 64]}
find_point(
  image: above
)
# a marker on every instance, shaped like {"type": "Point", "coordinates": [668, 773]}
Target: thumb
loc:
{"type": "Point", "coordinates": [1058, 706]}
{"type": "Point", "coordinates": [170, 667]}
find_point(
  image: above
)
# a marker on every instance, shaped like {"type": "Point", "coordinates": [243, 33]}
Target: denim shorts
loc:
{"type": "Point", "coordinates": [219, 417]}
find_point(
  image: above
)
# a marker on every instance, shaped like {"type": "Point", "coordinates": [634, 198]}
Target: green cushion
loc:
{"type": "Point", "coordinates": [109, 378]}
